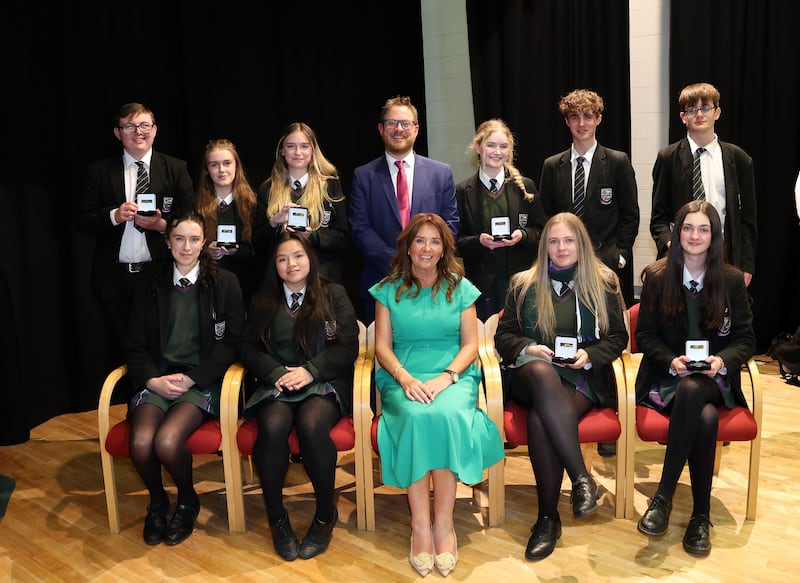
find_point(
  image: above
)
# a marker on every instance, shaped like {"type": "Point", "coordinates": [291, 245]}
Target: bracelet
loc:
{"type": "Point", "coordinates": [394, 373]}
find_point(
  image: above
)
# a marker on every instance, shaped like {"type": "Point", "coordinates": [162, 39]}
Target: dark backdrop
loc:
{"type": "Point", "coordinates": [746, 50]}
{"type": "Point", "coordinates": [239, 70]}
{"type": "Point", "coordinates": [527, 54]}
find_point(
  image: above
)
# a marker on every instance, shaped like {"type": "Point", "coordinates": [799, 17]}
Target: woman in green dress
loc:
{"type": "Point", "coordinates": [430, 429]}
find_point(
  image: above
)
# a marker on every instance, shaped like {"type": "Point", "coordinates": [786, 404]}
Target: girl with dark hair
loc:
{"type": "Point", "coordinates": [300, 346]}
{"type": "Point", "coordinates": [183, 335]}
{"type": "Point", "coordinates": [691, 295]}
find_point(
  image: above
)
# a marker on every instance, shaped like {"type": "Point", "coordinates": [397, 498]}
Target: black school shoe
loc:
{"type": "Point", "coordinates": [182, 523]}
{"type": "Point", "coordinates": [655, 520]}
{"type": "Point", "coordinates": [584, 496]}
{"type": "Point", "coordinates": [284, 539]}
{"type": "Point", "coordinates": [546, 533]}
{"type": "Point", "coordinates": [155, 524]}
{"type": "Point", "coordinates": [318, 538]}
{"type": "Point", "coordinates": [697, 540]}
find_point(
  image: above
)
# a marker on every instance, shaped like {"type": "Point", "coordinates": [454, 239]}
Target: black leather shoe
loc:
{"type": "Point", "coordinates": [546, 532]}
{"type": "Point", "coordinates": [607, 448]}
{"type": "Point", "coordinates": [284, 539]}
{"type": "Point", "coordinates": [318, 537]}
{"type": "Point", "coordinates": [182, 523]}
{"type": "Point", "coordinates": [584, 496]}
{"type": "Point", "coordinates": [697, 540]}
{"type": "Point", "coordinates": [655, 520]}
{"type": "Point", "coordinates": [155, 525]}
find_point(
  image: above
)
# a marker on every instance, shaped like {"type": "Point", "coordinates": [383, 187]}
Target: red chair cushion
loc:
{"type": "Point", "coordinates": [596, 425]}
{"type": "Point", "coordinates": [206, 439]}
{"type": "Point", "coordinates": [373, 433]}
{"type": "Point", "coordinates": [342, 433]}
{"type": "Point", "coordinates": [737, 424]}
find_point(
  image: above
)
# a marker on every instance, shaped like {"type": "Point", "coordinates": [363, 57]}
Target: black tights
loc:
{"type": "Point", "coordinates": [692, 436]}
{"type": "Point", "coordinates": [314, 417]}
{"type": "Point", "coordinates": [160, 438]}
{"type": "Point", "coordinates": [553, 414]}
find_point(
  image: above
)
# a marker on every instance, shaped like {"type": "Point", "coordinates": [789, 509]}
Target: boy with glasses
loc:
{"type": "Point", "coordinates": [701, 167]}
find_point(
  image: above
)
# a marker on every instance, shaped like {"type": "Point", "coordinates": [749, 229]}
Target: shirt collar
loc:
{"type": "Point", "coordinates": [191, 276]}
{"type": "Point", "coordinates": [129, 160]}
{"type": "Point", "coordinates": [588, 155]}
{"type": "Point", "coordinates": [288, 294]}
{"type": "Point", "coordinates": [485, 178]}
{"type": "Point", "coordinates": [712, 147]}
{"type": "Point", "coordinates": [303, 181]}
{"type": "Point", "coordinates": [409, 160]}
{"type": "Point", "coordinates": [687, 277]}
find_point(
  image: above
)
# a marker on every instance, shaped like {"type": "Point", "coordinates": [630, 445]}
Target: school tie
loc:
{"type": "Point", "coordinates": [295, 302]}
{"type": "Point", "coordinates": [142, 185]}
{"type": "Point", "coordinates": [580, 188]}
{"type": "Point", "coordinates": [297, 185]}
{"type": "Point", "coordinates": [493, 187]}
{"type": "Point", "coordinates": [222, 205]}
{"type": "Point", "coordinates": [564, 289]}
{"type": "Point", "coordinates": [693, 287]}
{"type": "Point", "coordinates": [402, 193]}
{"type": "Point", "coordinates": [698, 193]}
{"type": "Point", "coordinates": [184, 282]}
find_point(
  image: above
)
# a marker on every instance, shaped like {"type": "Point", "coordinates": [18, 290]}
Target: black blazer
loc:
{"type": "Point", "coordinates": [335, 359]}
{"type": "Point", "coordinates": [105, 191]}
{"type": "Point", "coordinates": [661, 341]}
{"type": "Point", "coordinates": [510, 339]}
{"type": "Point", "coordinates": [672, 188]}
{"type": "Point", "coordinates": [221, 318]}
{"type": "Point", "coordinates": [611, 210]}
{"type": "Point", "coordinates": [479, 262]}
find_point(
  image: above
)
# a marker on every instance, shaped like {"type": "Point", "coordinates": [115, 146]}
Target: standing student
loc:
{"type": "Point", "coordinates": [392, 188]}
{"type": "Point", "coordinates": [183, 335]}
{"type": "Point", "coordinates": [567, 293]}
{"type": "Point", "coordinates": [497, 192]}
{"type": "Point", "coordinates": [225, 200]}
{"type": "Point", "coordinates": [300, 345]}
{"type": "Point", "coordinates": [702, 167]}
{"type": "Point", "coordinates": [303, 177]}
{"type": "Point", "coordinates": [431, 430]}
{"type": "Point", "coordinates": [595, 183]}
{"type": "Point", "coordinates": [691, 294]}
{"type": "Point", "coordinates": [128, 242]}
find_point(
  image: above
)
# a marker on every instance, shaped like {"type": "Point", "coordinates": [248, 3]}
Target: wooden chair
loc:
{"type": "Point", "coordinates": [737, 424]}
{"type": "Point", "coordinates": [244, 434]}
{"type": "Point", "coordinates": [606, 424]}
{"type": "Point", "coordinates": [209, 438]}
{"type": "Point", "coordinates": [485, 494]}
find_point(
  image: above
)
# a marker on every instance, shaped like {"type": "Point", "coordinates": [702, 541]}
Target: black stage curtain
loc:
{"type": "Point", "coordinates": [745, 50]}
{"type": "Point", "coordinates": [526, 54]}
{"type": "Point", "coordinates": [240, 70]}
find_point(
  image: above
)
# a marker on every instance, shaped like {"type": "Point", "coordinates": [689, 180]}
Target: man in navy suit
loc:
{"type": "Point", "coordinates": [126, 241]}
{"type": "Point", "coordinates": [376, 211]}
{"type": "Point", "coordinates": [610, 206]}
{"type": "Point", "coordinates": [725, 176]}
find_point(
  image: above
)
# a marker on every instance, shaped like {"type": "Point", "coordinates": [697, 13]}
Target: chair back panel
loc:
{"type": "Point", "coordinates": [633, 315]}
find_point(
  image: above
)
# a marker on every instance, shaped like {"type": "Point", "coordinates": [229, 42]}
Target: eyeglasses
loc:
{"type": "Point", "coordinates": [130, 128]}
{"type": "Point", "coordinates": [406, 124]}
{"type": "Point", "coordinates": [706, 109]}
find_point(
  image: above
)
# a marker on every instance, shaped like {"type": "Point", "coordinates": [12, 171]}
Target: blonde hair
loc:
{"type": "Point", "coordinates": [592, 280]}
{"type": "Point", "coordinates": [485, 130]}
{"type": "Point", "coordinates": [320, 170]}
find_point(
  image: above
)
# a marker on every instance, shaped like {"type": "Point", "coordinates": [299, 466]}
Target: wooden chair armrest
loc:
{"type": "Point", "coordinates": [104, 403]}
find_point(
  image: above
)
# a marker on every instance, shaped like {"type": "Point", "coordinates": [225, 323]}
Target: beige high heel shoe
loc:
{"type": "Point", "coordinates": [446, 562]}
{"type": "Point", "coordinates": [423, 562]}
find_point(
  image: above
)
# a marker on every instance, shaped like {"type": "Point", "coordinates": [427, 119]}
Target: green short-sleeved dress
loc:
{"type": "Point", "coordinates": [450, 432]}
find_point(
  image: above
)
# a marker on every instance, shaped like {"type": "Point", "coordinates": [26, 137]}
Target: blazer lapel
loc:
{"type": "Point", "coordinates": [384, 176]}
{"type": "Point", "coordinates": [565, 180]}
{"type": "Point", "coordinates": [598, 169]}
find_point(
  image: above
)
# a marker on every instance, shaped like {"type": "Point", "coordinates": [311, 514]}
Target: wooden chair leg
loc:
{"type": "Point", "coordinates": [110, 484]}
{"type": "Point", "coordinates": [717, 458]}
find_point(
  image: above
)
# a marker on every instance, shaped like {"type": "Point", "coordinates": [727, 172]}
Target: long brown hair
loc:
{"type": "Point", "coordinates": [448, 269]}
{"type": "Point", "coordinates": [666, 274]}
{"type": "Point", "coordinates": [243, 194]}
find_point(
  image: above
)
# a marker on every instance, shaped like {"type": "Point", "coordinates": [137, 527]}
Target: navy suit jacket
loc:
{"type": "Point", "coordinates": [672, 188]}
{"type": "Point", "coordinates": [611, 209]}
{"type": "Point", "coordinates": [105, 190]}
{"type": "Point", "coordinates": [375, 219]}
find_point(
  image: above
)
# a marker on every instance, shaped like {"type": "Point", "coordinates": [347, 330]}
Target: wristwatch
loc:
{"type": "Point", "coordinates": [453, 375]}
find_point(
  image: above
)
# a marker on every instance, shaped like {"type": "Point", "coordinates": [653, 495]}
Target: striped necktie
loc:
{"type": "Point", "coordinates": [698, 192]}
{"type": "Point", "coordinates": [295, 302]}
{"type": "Point", "coordinates": [142, 179]}
{"type": "Point", "coordinates": [580, 187]}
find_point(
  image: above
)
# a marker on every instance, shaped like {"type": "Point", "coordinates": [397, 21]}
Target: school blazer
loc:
{"type": "Point", "coordinates": [611, 208]}
{"type": "Point", "coordinates": [479, 261]}
{"type": "Point", "coordinates": [105, 190]}
{"type": "Point", "coordinates": [672, 188]}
